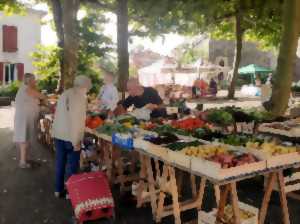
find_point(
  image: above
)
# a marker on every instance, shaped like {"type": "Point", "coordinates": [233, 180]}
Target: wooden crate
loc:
{"type": "Point", "coordinates": [210, 217]}
{"type": "Point", "coordinates": [154, 150]}
{"type": "Point", "coordinates": [214, 170]}
{"type": "Point", "coordinates": [277, 160]}
{"type": "Point", "coordinates": [180, 159]}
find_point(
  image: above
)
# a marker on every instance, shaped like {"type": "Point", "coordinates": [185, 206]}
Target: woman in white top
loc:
{"type": "Point", "coordinates": [26, 115]}
{"type": "Point", "coordinates": [108, 96]}
{"type": "Point", "coordinates": [68, 130]}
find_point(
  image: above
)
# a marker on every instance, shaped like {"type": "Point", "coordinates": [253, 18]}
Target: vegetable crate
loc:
{"type": "Point", "coordinates": [210, 217]}
{"type": "Point", "coordinates": [278, 160]}
{"type": "Point", "coordinates": [90, 196]}
{"type": "Point", "coordinates": [215, 170]}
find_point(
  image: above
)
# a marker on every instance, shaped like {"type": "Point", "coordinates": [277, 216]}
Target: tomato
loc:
{"type": "Point", "coordinates": [95, 122]}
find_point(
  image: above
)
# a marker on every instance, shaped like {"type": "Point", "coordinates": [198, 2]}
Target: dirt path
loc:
{"type": "Point", "coordinates": [26, 196]}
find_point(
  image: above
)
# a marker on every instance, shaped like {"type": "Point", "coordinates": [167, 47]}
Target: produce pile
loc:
{"type": "Point", "coordinates": [221, 154]}
{"type": "Point", "coordinates": [229, 215]}
{"type": "Point", "coordinates": [171, 141]}
{"type": "Point", "coordinates": [110, 128]}
{"type": "Point", "coordinates": [271, 148]}
{"type": "Point", "coordinates": [188, 124]}
{"type": "Point", "coordinates": [93, 122]}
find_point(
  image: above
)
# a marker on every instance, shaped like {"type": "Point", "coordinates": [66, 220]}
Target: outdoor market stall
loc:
{"type": "Point", "coordinates": [227, 179]}
{"type": "Point", "coordinates": [194, 150]}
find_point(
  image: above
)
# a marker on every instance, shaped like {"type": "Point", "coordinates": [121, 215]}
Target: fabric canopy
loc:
{"type": "Point", "coordinates": [254, 69]}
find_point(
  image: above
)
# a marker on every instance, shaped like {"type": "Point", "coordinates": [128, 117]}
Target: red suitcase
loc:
{"type": "Point", "coordinates": [90, 196]}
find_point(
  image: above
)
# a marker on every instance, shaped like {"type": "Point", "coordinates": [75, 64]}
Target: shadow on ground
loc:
{"type": "Point", "coordinates": [26, 196]}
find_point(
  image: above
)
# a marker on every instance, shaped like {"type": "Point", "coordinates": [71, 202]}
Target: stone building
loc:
{"type": "Point", "coordinates": [222, 52]}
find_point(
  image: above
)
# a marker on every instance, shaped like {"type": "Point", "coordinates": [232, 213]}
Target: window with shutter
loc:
{"type": "Point", "coordinates": [20, 70]}
{"type": "Point", "coordinates": [1, 72]}
{"type": "Point", "coordinates": [10, 38]}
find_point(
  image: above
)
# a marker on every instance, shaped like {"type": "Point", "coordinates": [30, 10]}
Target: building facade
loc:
{"type": "Point", "coordinates": [19, 36]}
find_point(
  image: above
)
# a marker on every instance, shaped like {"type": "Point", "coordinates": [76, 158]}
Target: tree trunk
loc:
{"type": "Point", "coordinates": [122, 39]}
{"type": "Point", "coordinates": [286, 58]}
{"type": "Point", "coordinates": [238, 53]}
{"type": "Point", "coordinates": [57, 12]}
{"type": "Point", "coordinates": [71, 41]}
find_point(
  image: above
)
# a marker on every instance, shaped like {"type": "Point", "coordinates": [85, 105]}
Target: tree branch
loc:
{"type": "Point", "coordinates": [100, 4]}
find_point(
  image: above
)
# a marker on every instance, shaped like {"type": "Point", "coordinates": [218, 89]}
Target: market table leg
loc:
{"type": "Point", "coordinates": [107, 150]}
{"type": "Point", "coordinates": [222, 202]}
{"type": "Point", "coordinates": [235, 203]}
{"type": "Point", "coordinates": [141, 186]}
{"type": "Point", "coordinates": [282, 194]}
{"type": "Point", "coordinates": [193, 185]}
{"type": "Point", "coordinates": [160, 206]}
{"type": "Point", "coordinates": [201, 193]}
{"type": "Point", "coordinates": [163, 181]}
{"type": "Point", "coordinates": [174, 190]}
{"type": "Point", "coordinates": [151, 183]}
{"type": "Point", "coordinates": [217, 193]}
{"type": "Point", "coordinates": [266, 199]}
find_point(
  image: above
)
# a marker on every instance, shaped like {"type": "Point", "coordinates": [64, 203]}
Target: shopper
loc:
{"type": "Point", "coordinates": [108, 97]}
{"type": "Point", "coordinates": [213, 87]}
{"type": "Point", "coordinates": [143, 97]}
{"type": "Point", "coordinates": [68, 130]}
{"type": "Point", "coordinates": [26, 117]}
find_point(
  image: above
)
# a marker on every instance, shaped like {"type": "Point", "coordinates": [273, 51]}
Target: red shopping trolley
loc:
{"type": "Point", "coordinates": [90, 196]}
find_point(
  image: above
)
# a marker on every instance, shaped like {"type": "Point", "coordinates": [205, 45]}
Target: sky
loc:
{"type": "Point", "coordinates": [161, 45]}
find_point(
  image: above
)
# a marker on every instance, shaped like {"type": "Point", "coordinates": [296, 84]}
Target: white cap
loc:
{"type": "Point", "coordinates": [83, 81]}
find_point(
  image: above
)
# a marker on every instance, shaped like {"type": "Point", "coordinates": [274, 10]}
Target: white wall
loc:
{"type": "Point", "coordinates": [29, 35]}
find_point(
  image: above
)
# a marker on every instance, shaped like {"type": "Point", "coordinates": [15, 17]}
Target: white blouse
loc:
{"type": "Point", "coordinates": [70, 116]}
{"type": "Point", "coordinates": [109, 97]}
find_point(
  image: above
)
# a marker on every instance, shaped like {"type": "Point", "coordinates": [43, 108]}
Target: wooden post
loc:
{"type": "Point", "coordinates": [174, 191]}
{"type": "Point", "coordinates": [222, 203]}
{"type": "Point", "coordinates": [282, 194]}
{"type": "Point", "coordinates": [266, 199]}
{"type": "Point", "coordinates": [235, 203]}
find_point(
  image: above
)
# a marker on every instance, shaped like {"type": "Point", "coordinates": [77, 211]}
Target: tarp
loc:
{"type": "Point", "coordinates": [254, 69]}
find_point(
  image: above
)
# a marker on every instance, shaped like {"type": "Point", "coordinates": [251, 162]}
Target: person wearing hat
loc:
{"type": "Point", "coordinates": [68, 130]}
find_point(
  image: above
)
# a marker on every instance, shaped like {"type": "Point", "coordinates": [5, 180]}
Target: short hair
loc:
{"type": "Point", "coordinates": [28, 77]}
{"type": "Point", "coordinates": [83, 81]}
{"type": "Point", "coordinates": [133, 81]}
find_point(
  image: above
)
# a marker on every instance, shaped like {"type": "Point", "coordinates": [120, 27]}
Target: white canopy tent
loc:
{"type": "Point", "coordinates": [160, 73]}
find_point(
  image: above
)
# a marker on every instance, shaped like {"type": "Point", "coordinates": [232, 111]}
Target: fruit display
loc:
{"type": "Point", "coordinates": [239, 139]}
{"type": "Point", "coordinates": [271, 148]}
{"type": "Point", "coordinates": [188, 124]}
{"type": "Point", "coordinates": [221, 154]}
{"type": "Point", "coordinates": [93, 122]}
{"type": "Point", "coordinates": [110, 128]}
{"type": "Point", "coordinates": [229, 216]}
{"type": "Point", "coordinates": [177, 146]}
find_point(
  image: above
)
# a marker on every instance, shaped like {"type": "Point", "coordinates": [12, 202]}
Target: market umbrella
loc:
{"type": "Point", "coordinates": [253, 69]}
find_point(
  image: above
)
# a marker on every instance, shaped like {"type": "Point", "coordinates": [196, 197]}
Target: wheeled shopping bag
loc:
{"type": "Point", "coordinates": [90, 196]}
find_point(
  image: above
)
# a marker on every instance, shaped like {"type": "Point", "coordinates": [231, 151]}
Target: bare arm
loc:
{"type": "Point", "coordinates": [35, 93]}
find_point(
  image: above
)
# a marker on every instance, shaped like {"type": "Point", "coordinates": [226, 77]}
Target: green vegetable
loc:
{"type": "Point", "coordinates": [109, 129]}
{"type": "Point", "coordinates": [220, 117]}
{"type": "Point", "coordinates": [169, 129]}
{"type": "Point", "coordinates": [177, 146]}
